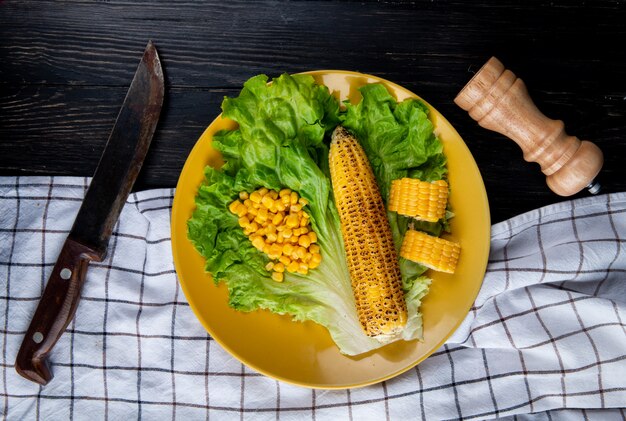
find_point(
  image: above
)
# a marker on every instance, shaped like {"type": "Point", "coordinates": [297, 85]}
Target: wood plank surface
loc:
{"type": "Point", "coordinates": [65, 67]}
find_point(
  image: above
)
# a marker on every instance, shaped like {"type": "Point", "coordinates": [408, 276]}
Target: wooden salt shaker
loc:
{"type": "Point", "coordinates": [499, 101]}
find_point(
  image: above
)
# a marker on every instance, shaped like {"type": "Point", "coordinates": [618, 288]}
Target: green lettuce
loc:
{"type": "Point", "coordinates": [282, 142]}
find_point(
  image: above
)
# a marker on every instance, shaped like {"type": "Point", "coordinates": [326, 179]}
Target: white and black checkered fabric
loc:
{"type": "Point", "coordinates": [546, 336]}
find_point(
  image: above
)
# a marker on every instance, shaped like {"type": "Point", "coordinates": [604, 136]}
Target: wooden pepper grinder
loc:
{"type": "Point", "coordinates": [499, 101]}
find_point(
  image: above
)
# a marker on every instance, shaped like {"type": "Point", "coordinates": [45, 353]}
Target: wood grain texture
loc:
{"type": "Point", "coordinates": [65, 66]}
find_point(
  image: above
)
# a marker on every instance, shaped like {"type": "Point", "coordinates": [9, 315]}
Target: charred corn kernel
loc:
{"type": "Point", "coordinates": [285, 260]}
{"type": "Point", "coordinates": [433, 252]}
{"type": "Point", "coordinates": [303, 268]}
{"type": "Point", "coordinates": [303, 201]}
{"type": "Point", "coordinates": [255, 197]}
{"type": "Point", "coordinates": [304, 241]}
{"type": "Point", "coordinates": [277, 219]}
{"type": "Point", "coordinates": [284, 192]}
{"type": "Point", "coordinates": [370, 251]}
{"type": "Point", "coordinates": [314, 248]}
{"type": "Point", "coordinates": [278, 276]}
{"type": "Point", "coordinates": [313, 237]}
{"type": "Point", "coordinates": [293, 198]}
{"type": "Point", "coordinates": [269, 266]}
{"type": "Point", "coordinates": [279, 267]}
{"type": "Point", "coordinates": [419, 199]}
{"type": "Point", "coordinates": [292, 267]}
{"type": "Point", "coordinates": [292, 221]}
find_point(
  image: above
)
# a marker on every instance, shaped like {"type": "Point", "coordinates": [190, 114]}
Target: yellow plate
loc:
{"type": "Point", "coordinates": [303, 353]}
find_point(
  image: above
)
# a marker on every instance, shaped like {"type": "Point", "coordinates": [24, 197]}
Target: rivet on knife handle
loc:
{"type": "Point", "coordinates": [88, 239]}
{"type": "Point", "coordinates": [56, 309]}
{"type": "Point", "coordinates": [498, 101]}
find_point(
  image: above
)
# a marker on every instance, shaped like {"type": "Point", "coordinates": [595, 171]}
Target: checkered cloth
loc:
{"type": "Point", "coordinates": [546, 335]}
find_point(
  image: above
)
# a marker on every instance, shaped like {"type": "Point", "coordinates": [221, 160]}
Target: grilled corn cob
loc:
{"type": "Point", "coordinates": [419, 199]}
{"type": "Point", "coordinates": [370, 252]}
{"type": "Point", "coordinates": [433, 252]}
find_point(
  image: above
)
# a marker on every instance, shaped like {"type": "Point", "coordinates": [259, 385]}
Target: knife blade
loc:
{"type": "Point", "coordinates": [87, 241]}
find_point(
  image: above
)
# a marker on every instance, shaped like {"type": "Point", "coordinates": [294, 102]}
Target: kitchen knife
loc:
{"type": "Point", "coordinates": [87, 241]}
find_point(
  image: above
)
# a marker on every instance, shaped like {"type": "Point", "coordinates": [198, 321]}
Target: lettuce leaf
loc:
{"type": "Point", "coordinates": [282, 142]}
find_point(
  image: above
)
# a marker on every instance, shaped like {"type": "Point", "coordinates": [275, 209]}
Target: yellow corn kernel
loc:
{"type": "Point", "coordinates": [292, 267]}
{"type": "Point", "coordinates": [293, 239]}
{"type": "Point", "coordinates": [293, 199]}
{"type": "Point", "coordinates": [263, 191]}
{"type": "Point", "coordinates": [278, 276]}
{"type": "Point", "coordinates": [280, 206]}
{"type": "Point", "coordinates": [433, 252]}
{"type": "Point", "coordinates": [314, 248]}
{"type": "Point", "coordinates": [288, 249]}
{"type": "Point", "coordinates": [275, 251]}
{"type": "Point", "coordinates": [295, 208]}
{"type": "Point", "coordinates": [286, 200]}
{"type": "Point", "coordinates": [303, 268]}
{"type": "Point", "coordinates": [287, 232]}
{"type": "Point", "coordinates": [271, 237]}
{"type": "Point", "coordinates": [285, 260]}
{"type": "Point", "coordinates": [304, 241]}
{"type": "Point", "coordinates": [303, 201]}
{"type": "Point", "coordinates": [269, 266]}
{"type": "Point", "coordinates": [279, 267]}
{"type": "Point", "coordinates": [292, 221]}
{"type": "Point", "coordinates": [248, 203]}
{"type": "Point", "coordinates": [313, 264]}
{"type": "Point", "coordinates": [255, 197]}
{"type": "Point", "coordinates": [267, 201]}
{"type": "Point", "coordinates": [307, 257]}
{"type": "Point", "coordinates": [284, 192]}
{"type": "Point", "coordinates": [300, 252]}
{"type": "Point", "coordinates": [370, 251]}
{"type": "Point", "coordinates": [252, 212]}
{"type": "Point", "coordinates": [243, 195]}
{"type": "Point", "coordinates": [419, 199]}
{"type": "Point", "coordinates": [273, 194]}
{"type": "Point", "coordinates": [234, 206]}
{"type": "Point", "coordinates": [313, 237]}
{"type": "Point", "coordinates": [261, 231]}
{"type": "Point", "coordinates": [277, 219]}
{"type": "Point", "coordinates": [243, 222]}
{"type": "Point", "coordinates": [257, 242]}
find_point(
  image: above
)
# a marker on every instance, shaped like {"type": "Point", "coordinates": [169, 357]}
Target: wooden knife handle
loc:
{"type": "Point", "coordinates": [55, 311]}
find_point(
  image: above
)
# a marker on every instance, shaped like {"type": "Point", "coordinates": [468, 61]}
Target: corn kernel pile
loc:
{"type": "Point", "coordinates": [277, 225]}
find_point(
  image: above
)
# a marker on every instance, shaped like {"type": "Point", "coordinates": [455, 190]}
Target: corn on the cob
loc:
{"type": "Point", "coordinates": [370, 252]}
{"type": "Point", "coordinates": [433, 252]}
{"type": "Point", "coordinates": [419, 199]}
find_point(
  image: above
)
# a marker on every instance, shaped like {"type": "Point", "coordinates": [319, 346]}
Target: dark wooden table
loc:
{"type": "Point", "coordinates": [65, 67]}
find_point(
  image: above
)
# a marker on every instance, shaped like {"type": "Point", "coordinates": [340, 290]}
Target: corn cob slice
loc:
{"type": "Point", "coordinates": [370, 252]}
{"type": "Point", "coordinates": [419, 199]}
{"type": "Point", "coordinates": [433, 252]}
